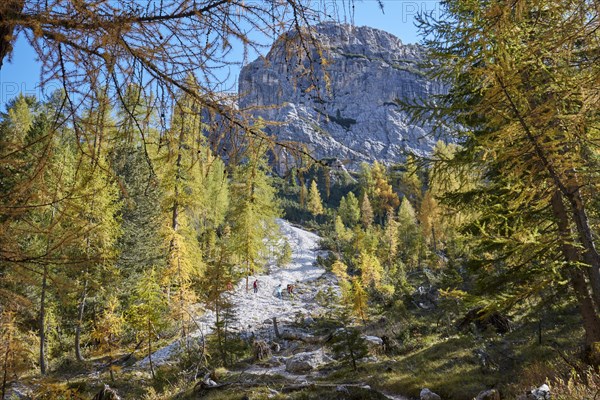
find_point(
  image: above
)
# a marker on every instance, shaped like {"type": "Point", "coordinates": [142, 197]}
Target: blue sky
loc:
{"type": "Point", "coordinates": [22, 73]}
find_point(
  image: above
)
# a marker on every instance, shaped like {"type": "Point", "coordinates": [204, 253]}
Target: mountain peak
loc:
{"type": "Point", "coordinates": [345, 108]}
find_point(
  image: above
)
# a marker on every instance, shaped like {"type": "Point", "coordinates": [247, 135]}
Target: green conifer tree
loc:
{"type": "Point", "coordinates": [349, 210]}
{"type": "Point", "coordinates": [149, 314]}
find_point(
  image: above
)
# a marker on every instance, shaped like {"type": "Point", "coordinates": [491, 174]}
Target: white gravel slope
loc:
{"type": "Point", "coordinates": [255, 311]}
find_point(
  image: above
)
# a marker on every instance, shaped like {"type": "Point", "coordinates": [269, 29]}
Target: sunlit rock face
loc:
{"type": "Point", "coordinates": [346, 108]}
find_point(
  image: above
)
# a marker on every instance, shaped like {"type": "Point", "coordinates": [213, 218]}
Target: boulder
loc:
{"type": "Point", "coordinates": [427, 394]}
{"type": "Point", "coordinates": [305, 362]}
{"type": "Point", "coordinates": [540, 393]}
{"type": "Point", "coordinates": [490, 394]}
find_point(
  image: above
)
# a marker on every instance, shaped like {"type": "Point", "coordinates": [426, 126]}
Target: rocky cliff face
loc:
{"type": "Point", "coordinates": [345, 109]}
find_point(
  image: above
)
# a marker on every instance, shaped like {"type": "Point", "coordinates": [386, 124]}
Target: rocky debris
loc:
{"type": "Point", "coordinates": [375, 344]}
{"type": "Point", "coordinates": [490, 394]}
{"type": "Point", "coordinates": [426, 297]}
{"type": "Point", "coordinates": [255, 312]}
{"type": "Point", "coordinates": [427, 394]}
{"type": "Point", "coordinates": [106, 394]}
{"type": "Point", "coordinates": [540, 393]}
{"type": "Point", "coordinates": [345, 112]}
{"type": "Point", "coordinates": [306, 361]}
{"type": "Point", "coordinates": [19, 391]}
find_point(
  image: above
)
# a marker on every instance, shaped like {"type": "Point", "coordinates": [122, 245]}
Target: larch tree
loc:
{"type": "Point", "coordinates": [181, 154]}
{"type": "Point", "coordinates": [523, 104]}
{"type": "Point", "coordinates": [366, 212]}
{"type": "Point", "coordinates": [254, 207]}
{"type": "Point", "coordinates": [155, 45]}
{"type": "Point", "coordinates": [314, 204]}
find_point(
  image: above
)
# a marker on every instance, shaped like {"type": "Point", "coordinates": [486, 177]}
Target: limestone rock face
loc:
{"type": "Point", "coordinates": [346, 108]}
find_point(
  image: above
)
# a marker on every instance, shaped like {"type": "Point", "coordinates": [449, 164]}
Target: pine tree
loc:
{"type": "Point", "coordinates": [347, 341]}
{"type": "Point", "coordinates": [315, 204]}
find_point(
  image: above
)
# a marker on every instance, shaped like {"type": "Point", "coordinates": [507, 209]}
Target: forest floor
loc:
{"type": "Point", "coordinates": [430, 353]}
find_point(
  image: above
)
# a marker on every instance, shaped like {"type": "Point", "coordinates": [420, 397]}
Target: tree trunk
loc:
{"type": "Point", "coordinates": [10, 10]}
{"type": "Point", "coordinates": [276, 328]}
{"type": "Point", "coordinates": [586, 237]}
{"type": "Point", "coordinates": [41, 322]}
{"type": "Point", "coordinates": [80, 321]}
{"type": "Point", "coordinates": [150, 349]}
{"type": "Point", "coordinates": [5, 374]}
{"type": "Point", "coordinates": [591, 321]}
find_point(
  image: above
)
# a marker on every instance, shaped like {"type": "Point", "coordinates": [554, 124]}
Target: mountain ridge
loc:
{"type": "Point", "coordinates": [341, 100]}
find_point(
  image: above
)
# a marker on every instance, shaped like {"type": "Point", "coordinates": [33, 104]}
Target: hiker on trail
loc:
{"type": "Point", "coordinates": [290, 290]}
{"type": "Point", "coordinates": [229, 286]}
{"type": "Point", "coordinates": [255, 286]}
{"type": "Point", "coordinates": [279, 289]}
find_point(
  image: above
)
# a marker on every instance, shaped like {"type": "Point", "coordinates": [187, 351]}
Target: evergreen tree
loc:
{"type": "Point", "coordinates": [347, 341]}
{"type": "Point", "coordinates": [349, 210]}
{"type": "Point", "coordinates": [149, 313]}
{"type": "Point", "coordinates": [410, 244]}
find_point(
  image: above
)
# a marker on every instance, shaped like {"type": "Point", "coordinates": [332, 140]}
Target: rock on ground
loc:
{"type": "Point", "coordinates": [307, 361]}
{"type": "Point", "coordinates": [427, 394]}
{"type": "Point", "coordinates": [490, 394]}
